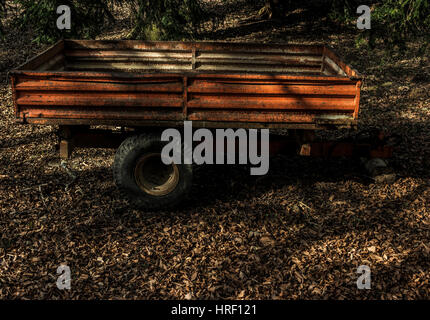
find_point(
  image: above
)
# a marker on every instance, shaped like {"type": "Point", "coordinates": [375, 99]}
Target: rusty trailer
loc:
{"type": "Point", "coordinates": [137, 85]}
{"type": "Point", "coordinates": [213, 84]}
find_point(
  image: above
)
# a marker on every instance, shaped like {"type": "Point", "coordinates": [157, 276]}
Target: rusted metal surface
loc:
{"type": "Point", "coordinates": [138, 83]}
{"type": "Point", "coordinates": [334, 149]}
{"type": "Point", "coordinates": [40, 61]}
{"type": "Point", "coordinates": [375, 147]}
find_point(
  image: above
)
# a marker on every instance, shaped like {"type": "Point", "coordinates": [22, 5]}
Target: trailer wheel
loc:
{"type": "Point", "coordinates": [143, 179]}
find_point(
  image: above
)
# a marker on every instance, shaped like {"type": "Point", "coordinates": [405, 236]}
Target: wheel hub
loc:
{"type": "Point", "coordinates": [154, 177]}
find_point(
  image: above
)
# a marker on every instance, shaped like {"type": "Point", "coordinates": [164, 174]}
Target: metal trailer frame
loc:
{"type": "Point", "coordinates": [78, 84]}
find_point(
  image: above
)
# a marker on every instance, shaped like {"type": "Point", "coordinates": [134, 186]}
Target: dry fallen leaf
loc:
{"type": "Point", "coordinates": [267, 241]}
{"type": "Point", "coordinates": [303, 229]}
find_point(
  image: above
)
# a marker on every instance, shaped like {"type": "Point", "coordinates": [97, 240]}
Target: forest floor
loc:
{"type": "Point", "coordinates": [298, 233]}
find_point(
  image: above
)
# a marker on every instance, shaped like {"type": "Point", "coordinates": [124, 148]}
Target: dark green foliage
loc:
{"type": "Point", "coordinates": [404, 17]}
{"type": "Point", "coordinates": [154, 20]}
{"type": "Point", "coordinates": [392, 20]}
{"type": "Point", "coordinates": [88, 17]}
{"type": "Point", "coordinates": [166, 19]}
{"type": "Point", "coordinates": [345, 10]}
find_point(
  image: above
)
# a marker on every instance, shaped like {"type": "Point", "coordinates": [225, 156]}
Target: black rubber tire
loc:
{"type": "Point", "coordinates": [125, 162]}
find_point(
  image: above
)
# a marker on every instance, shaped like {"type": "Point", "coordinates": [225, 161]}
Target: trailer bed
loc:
{"type": "Point", "coordinates": [213, 84]}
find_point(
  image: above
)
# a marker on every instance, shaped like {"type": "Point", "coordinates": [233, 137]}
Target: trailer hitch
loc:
{"type": "Point", "coordinates": [374, 145]}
